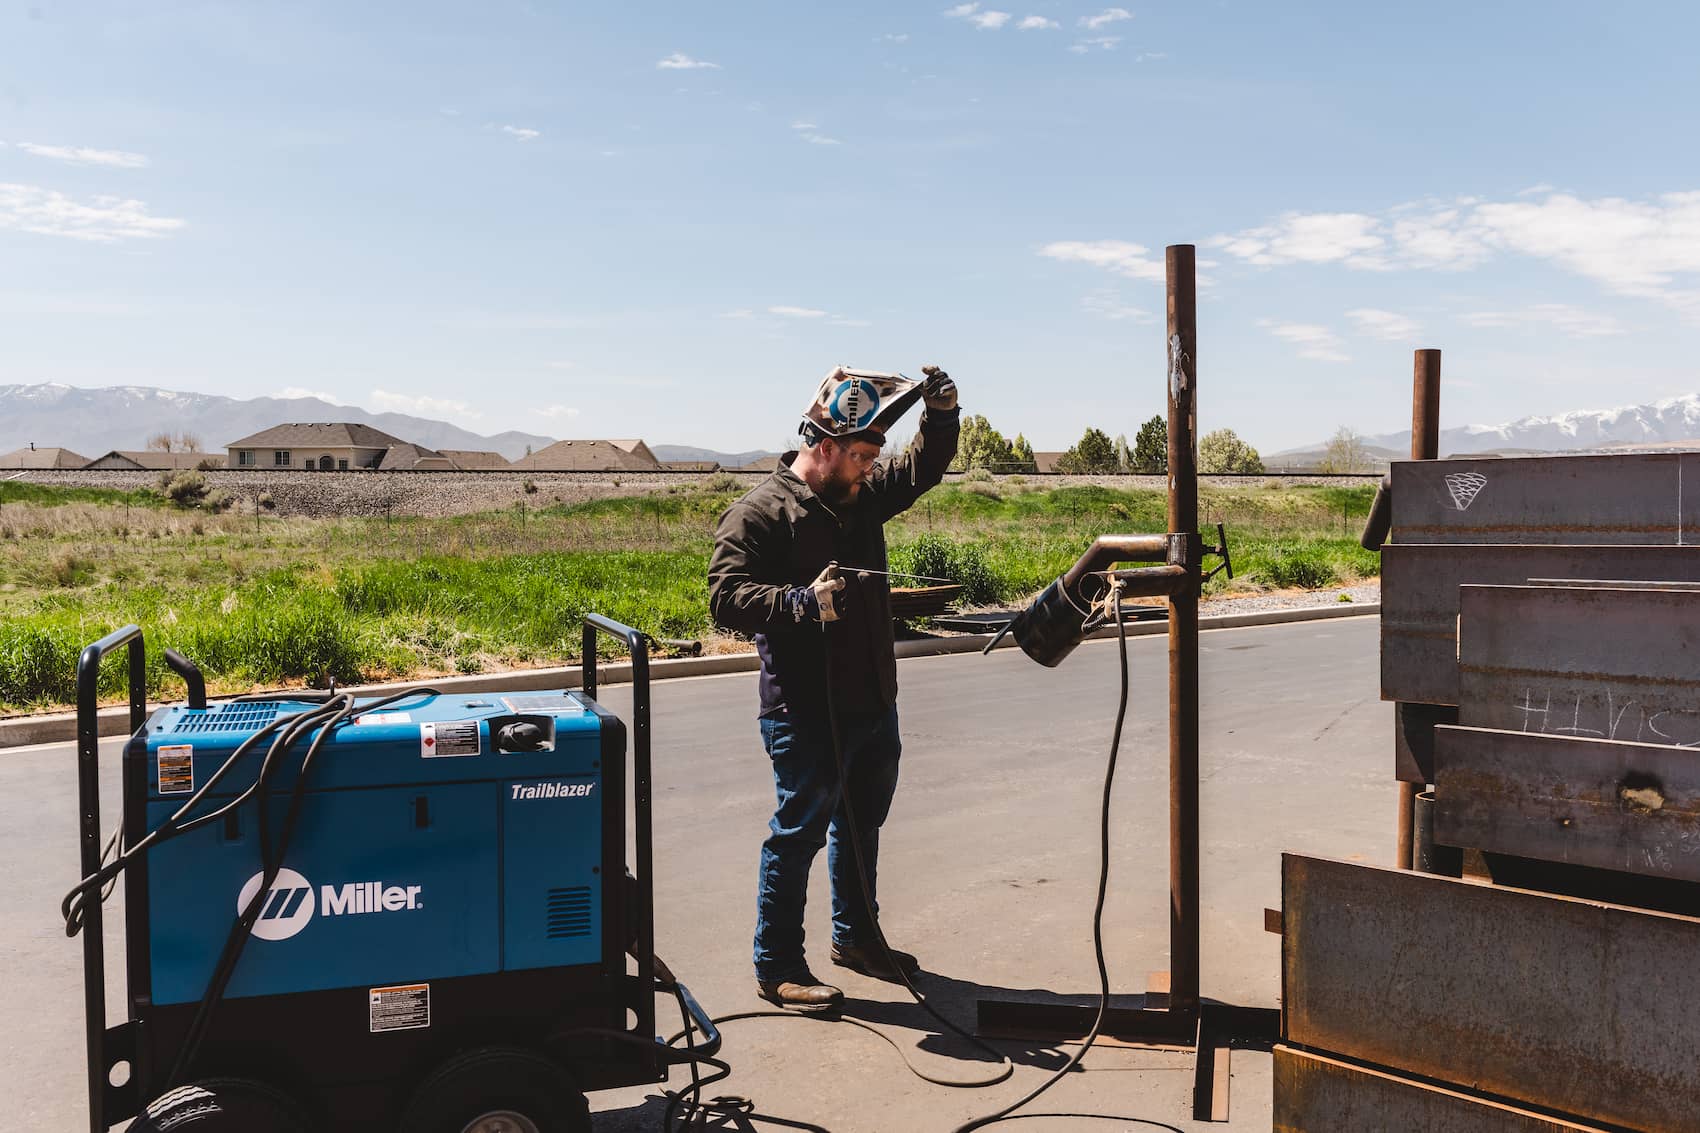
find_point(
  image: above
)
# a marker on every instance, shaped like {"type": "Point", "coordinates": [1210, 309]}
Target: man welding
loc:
{"type": "Point", "coordinates": [785, 570]}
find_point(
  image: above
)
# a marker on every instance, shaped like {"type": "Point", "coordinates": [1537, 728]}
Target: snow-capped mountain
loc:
{"type": "Point", "coordinates": [1671, 421]}
{"type": "Point", "coordinates": [95, 421]}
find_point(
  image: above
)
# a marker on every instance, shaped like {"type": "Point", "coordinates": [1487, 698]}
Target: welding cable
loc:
{"type": "Point", "coordinates": [71, 907]}
{"type": "Point", "coordinates": [326, 719]}
{"type": "Point", "coordinates": [1098, 908]}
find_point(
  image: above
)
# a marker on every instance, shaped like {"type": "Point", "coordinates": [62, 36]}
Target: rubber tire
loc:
{"type": "Point", "coordinates": [478, 1081]}
{"type": "Point", "coordinates": [223, 1105]}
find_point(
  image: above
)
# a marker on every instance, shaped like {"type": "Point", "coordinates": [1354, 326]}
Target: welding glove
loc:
{"type": "Point", "coordinates": [938, 391]}
{"type": "Point", "coordinates": [821, 600]}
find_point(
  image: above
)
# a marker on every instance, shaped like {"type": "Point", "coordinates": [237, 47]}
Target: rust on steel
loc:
{"type": "Point", "coordinates": [1181, 365]}
{"type": "Point", "coordinates": [1629, 807]}
{"type": "Point", "coordinates": [1107, 550]}
{"type": "Point", "coordinates": [1425, 445]}
{"type": "Point", "coordinates": [1631, 498]}
{"type": "Point", "coordinates": [1595, 662]}
{"type": "Point", "coordinates": [1577, 1006]}
{"type": "Point", "coordinates": [1419, 597]}
{"type": "Point", "coordinates": [1318, 1094]}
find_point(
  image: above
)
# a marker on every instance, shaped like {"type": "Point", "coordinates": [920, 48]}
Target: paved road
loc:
{"type": "Point", "coordinates": [988, 872]}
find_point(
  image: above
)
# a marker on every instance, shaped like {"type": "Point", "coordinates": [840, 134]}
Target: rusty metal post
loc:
{"type": "Point", "coordinates": [1183, 632]}
{"type": "Point", "coordinates": [1425, 445]}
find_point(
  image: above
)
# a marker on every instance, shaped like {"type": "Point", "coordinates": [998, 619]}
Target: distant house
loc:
{"type": "Point", "coordinates": [591, 456]}
{"type": "Point", "coordinates": [1047, 461]}
{"type": "Point", "coordinates": [150, 460]}
{"type": "Point", "coordinates": [406, 457]}
{"type": "Point", "coordinates": [691, 465]}
{"type": "Point", "coordinates": [33, 457]}
{"type": "Point", "coordinates": [338, 446]}
{"type": "Point", "coordinates": [767, 464]}
{"type": "Point", "coordinates": [474, 460]}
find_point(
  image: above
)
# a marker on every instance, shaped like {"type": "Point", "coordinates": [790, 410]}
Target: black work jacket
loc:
{"type": "Point", "coordinates": [780, 536]}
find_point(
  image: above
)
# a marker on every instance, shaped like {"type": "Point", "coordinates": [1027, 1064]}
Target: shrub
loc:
{"type": "Point", "coordinates": [938, 557]}
{"type": "Point", "coordinates": [185, 489]}
{"type": "Point", "coordinates": [1300, 566]}
{"type": "Point", "coordinates": [530, 487]}
{"type": "Point", "coordinates": [722, 482]}
{"type": "Point", "coordinates": [266, 501]}
{"type": "Point", "coordinates": [977, 476]}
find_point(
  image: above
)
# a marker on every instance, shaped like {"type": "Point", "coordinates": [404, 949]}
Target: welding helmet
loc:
{"type": "Point", "coordinates": [863, 404]}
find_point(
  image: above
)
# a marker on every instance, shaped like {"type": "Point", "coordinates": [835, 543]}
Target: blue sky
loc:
{"type": "Point", "coordinates": [669, 219]}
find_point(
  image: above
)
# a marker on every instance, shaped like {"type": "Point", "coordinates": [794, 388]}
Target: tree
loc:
{"type": "Point", "coordinates": [1223, 451]}
{"type": "Point", "coordinates": [1124, 458]}
{"type": "Point", "coordinates": [174, 442]}
{"type": "Point", "coordinates": [1346, 452]}
{"type": "Point", "coordinates": [981, 446]}
{"type": "Point", "coordinates": [1151, 447]}
{"type": "Point", "coordinates": [1095, 453]}
{"type": "Point", "coordinates": [1023, 453]}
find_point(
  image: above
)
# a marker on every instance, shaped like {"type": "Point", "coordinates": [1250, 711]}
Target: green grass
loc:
{"type": "Point", "coordinates": [43, 495]}
{"type": "Point", "coordinates": [289, 600]}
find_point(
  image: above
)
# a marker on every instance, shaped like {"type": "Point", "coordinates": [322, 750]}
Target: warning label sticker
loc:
{"type": "Point", "coordinates": [406, 1007]}
{"type": "Point", "coordinates": [457, 737]}
{"type": "Point", "coordinates": [383, 718]}
{"type": "Point", "coordinates": [176, 769]}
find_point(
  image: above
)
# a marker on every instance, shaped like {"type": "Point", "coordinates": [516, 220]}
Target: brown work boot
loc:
{"type": "Point", "coordinates": [805, 995]}
{"type": "Point", "coordinates": [870, 960]}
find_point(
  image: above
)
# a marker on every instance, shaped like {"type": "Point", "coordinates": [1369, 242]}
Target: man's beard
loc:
{"type": "Point", "coordinates": [836, 491]}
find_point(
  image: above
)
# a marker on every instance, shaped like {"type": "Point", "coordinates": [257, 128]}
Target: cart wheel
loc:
{"type": "Point", "coordinates": [222, 1105]}
{"type": "Point", "coordinates": [497, 1090]}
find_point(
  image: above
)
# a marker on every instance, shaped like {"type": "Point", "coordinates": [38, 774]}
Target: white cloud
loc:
{"type": "Point", "coordinates": [77, 155]}
{"type": "Point", "coordinates": [1384, 324]}
{"type": "Point", "coordinates": [1319, 344]}
{"type": "Point", "coordinates": [1648, 249]}
{"type": "Point", "coordinates": [552, 412]}
{"type": "Point", "coordinates": [30, 208]}
{"type": "Point", "coordinates": [1037, 23]}
{"type": "Point", "coordinates": [820, 140]}
{"type": "Point", "coordinates": [523, 133]}
{"type": "Point", "coordinates": [1573, 322]}
{"type": "Point", "coordinates": [296, 391]}
{"type": "Point", "coordinates": [804, 126]}
{"type": "Point", "coordinates": [1151, 55]}
{"type": "Point", "coordinates": [421, 405]}
{"type": "Point", "coordinates": [740, 313]}
{"type": "Point", "coordinates": [679, 61]}
{"type": "Point", "coordinates": [889, 37]}
{"type": "Point", "coordinates": [796, 312]}
{"type": "Point", "coordinates": [1119, 256]}
{"type": "Point", "coordinates": [1102, 42]}
{"type": "Point", "coordinates": [988, 20]}
{"type": "Point", "coordinates": [1108, 304]}
{"type": "Point", "coordinates": [1107, 16]}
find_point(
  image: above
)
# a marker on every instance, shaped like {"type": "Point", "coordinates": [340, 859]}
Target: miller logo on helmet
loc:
{"type": "Point", "coordinates": [855, 401]}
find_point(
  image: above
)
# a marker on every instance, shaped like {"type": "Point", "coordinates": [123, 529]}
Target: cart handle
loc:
{"type": "Point", "coordinates": [638, 643]}
{"type": "Point", "coordinates": [88, 809]}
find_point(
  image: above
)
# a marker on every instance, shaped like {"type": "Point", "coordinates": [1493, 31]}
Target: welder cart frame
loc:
{"type": "Point", "coordinates": [635, 1056]}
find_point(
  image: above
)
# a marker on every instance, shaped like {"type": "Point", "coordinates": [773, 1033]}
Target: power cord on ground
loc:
{"type": "Point", "coordinates": [688, 1101]}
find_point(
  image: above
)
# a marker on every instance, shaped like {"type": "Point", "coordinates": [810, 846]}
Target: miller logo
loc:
{"type": "Point", "coordinates": [289, 903]}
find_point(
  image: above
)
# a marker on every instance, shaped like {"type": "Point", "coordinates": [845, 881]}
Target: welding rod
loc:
{"type": "Point", "coordinates": [894, 574]}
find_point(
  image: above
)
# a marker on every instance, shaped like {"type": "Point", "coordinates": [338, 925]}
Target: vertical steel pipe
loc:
{"type": "Point", "coordinates": [1182, 369]}
{"type": "Point", "coordinates": [1425, 445]}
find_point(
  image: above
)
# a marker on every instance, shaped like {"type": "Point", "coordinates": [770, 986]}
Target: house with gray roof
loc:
{"type": "Point", "coordinates": [33, 457]}
{"type": "Point", "coordinates": [591, 456]}
{"type": "Point", "coordinates": [476, 460]}
{"type": "Point", "coordinates": [152, 460]}
{"type": "Point", "coordinates": [334, 446]}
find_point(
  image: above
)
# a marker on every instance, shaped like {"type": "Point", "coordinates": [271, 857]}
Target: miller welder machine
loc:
{"type": "Point", "coordinates": [405, 913]}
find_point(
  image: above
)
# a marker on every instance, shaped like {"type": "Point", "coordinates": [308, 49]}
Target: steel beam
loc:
{"type": "Point", "coordinates": [1550, 499]}
{"type": "Point", "coordinates": [1630, 807]}
{"type": "Point", "coordinates": [1575, 1006]}
{"type": "Point", "coordinates": [1317, 1094]}
{"type": "Point", "coordinates": [1597, 663]}
{"type": "Point", "coordinates": [1419, 597]}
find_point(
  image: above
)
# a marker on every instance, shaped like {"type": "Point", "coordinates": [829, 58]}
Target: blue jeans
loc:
{"type": "Point", "coordinates": [810, 813]}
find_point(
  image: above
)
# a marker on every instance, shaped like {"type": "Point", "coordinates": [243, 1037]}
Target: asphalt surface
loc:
{"type": "Point", "coordinates": [988, 871]}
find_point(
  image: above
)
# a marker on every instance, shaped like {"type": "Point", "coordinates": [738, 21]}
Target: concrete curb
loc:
{"type": "Point", "coordinates": [23, 731]}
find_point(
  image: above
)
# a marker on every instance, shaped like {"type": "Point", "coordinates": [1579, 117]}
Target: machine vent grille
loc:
{"type": "Point", "coordinates": [224, 718]}
{"type": "Point", "coordinates": [569, 913]}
